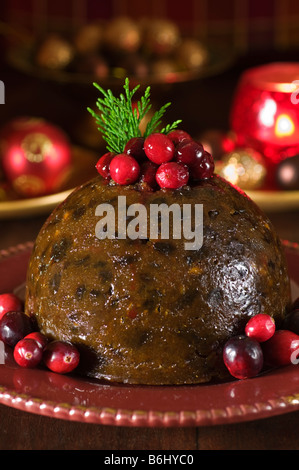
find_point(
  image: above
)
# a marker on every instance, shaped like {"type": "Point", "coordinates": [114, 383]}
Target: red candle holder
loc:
{"type": "Point", "coordinates": [265, 110]}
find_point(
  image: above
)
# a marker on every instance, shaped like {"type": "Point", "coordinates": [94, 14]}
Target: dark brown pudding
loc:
{"type": "Point", "coordinates": [149, 311]}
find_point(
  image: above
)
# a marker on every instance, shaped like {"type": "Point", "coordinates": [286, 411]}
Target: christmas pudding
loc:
{"type": "Point", "coordinates": [149, 268]}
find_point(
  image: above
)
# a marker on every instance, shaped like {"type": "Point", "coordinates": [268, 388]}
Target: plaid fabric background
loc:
{"type": "Point", "coordinates": [242, 24]}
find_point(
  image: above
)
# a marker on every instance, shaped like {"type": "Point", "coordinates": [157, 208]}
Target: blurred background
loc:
{"type": "Point", "coordinates": [192, 53]}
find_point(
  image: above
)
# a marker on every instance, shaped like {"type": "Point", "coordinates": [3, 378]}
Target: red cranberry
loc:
{"type": "Point", "coordinates": [41, 339]}
{"type": "Point", "coordinates": [134, 147]}
{"type": "Point", "coordinates": [124, 169]}
{"type": "Point", "coordinates": [28, 353]}
{"type": "Point", "coordinates": [103, 165]}
{"type": "Point", "coordinates": [203, 168]}
{"type": "Point", "coordinates": [243, 357]}
{"type": "Point", "coordinates": [13, 327]}
{"type": "Point", "coordinates": [159, 148]}
{"type": "Point", "coordinates": [61, 357]}
{"type": "Point", "coordinates": [188, 152]}
{"type": "Point", "coordinates": [9, 302]}
{"type": "Point", "coordinates": [282, 348]}
{"type": "Point", "coordinates": [148, 172]}
{"type": "Point", "coordinates": [178, 136]}
{"type": "Point", "coordinates": [260, 327]}
{"type": "Point", "coordinates": [172, 175]}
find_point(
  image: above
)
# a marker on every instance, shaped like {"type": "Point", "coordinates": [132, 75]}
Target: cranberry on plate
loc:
{"type": "Point", "coordinates": [243, 357]}
{"type": "Point", "coordinates": [61, 357]}
{"type": "Point", "coordinates": [9, 302]}
{"type": "Point", "coordinates": [28, 353]}
{"type": "Point", "coordinates": [281, 349]}
{"type": "Point", "coordinates": [260, 327]}
{"type": "Point", "coordinates": [14, 326]}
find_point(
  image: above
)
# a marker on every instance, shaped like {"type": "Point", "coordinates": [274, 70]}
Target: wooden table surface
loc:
{"type": "Point", "coordinates": [25, 431]}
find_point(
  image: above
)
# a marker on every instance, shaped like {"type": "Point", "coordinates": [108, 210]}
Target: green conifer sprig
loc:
{"type": "Point", "coordinates": [119, 121]}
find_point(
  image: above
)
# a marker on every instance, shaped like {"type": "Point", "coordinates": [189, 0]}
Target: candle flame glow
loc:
{"type": "Point", "coordinates": [284, 126]}
{"type": "Point", "coordinates": [267, 112]}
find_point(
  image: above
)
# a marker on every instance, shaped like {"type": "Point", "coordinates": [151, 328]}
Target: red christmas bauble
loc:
{"type": "Point", "coordinates": [36, 156]}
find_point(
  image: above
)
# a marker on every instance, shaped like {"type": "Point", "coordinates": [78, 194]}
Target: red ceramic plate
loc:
{"type": "Point", "coordinates": [90, 401]}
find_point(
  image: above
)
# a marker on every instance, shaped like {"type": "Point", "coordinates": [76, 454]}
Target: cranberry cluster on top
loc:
{"type": "Point", "coordinates": [159, 161]}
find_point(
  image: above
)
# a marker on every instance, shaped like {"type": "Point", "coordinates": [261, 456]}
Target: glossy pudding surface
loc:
{"type": "Point", "coordinates": [149, 311]}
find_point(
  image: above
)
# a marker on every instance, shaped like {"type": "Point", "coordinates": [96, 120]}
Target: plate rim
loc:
{"type": "Point", "coordinates": [269, 201]}
{"type": "Point", "coordinates": [275, 201]}
{"type": "Point", "coordinates": [147, 418]}
{"type": "Point", "coordinates": [144, 418]}
{"type": "Point", "coordinates": [20, 58]}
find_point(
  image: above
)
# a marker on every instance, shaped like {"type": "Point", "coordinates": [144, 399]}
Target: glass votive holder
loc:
{"type": "Point", "coordinates": [265, 110]}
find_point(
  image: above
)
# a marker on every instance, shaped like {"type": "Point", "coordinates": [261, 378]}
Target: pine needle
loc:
{"type": "Point", "coordinates": [119, 120]}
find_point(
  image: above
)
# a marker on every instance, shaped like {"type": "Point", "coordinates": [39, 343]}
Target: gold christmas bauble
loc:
{"type": "Point", "coordinates": [55, 53]}
{"type": "Point", "coordinates": [35, 155]}
{"type": "Point", "coordinates": [161, 37]}
{"type": "Point", "coordinates": [122, 35]}
{"type": "Point", "coordinates": [88, 38]}
{"type": "Point", "coordinates": [244, 168]}
{"type": "Point", "coordinates": [163, 68]}
{"type": "Point", "coordinates": [191, 54]}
